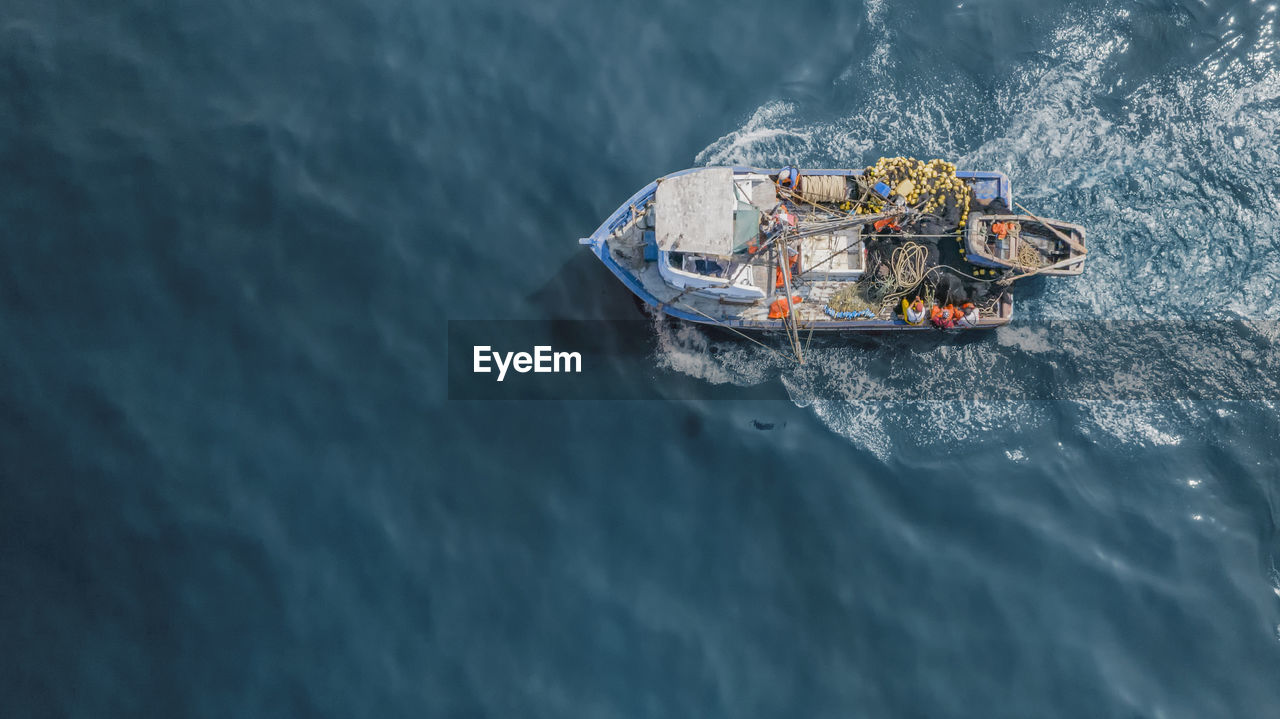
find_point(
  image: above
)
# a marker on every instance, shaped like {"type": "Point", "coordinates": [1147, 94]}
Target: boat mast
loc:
{"type": "Point", "coordinates": [793, 330]}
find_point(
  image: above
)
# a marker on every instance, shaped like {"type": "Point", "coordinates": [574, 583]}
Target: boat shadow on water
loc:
{"type": "Point", "coordinates": [579, 291]}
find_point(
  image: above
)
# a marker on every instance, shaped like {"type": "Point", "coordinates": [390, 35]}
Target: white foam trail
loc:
{"type": "Point", "coordinates": [1140, 423]}
{"type": "Point", "coordinates": [765, 135]}
{"type": "Point", "coordinates": [1176, 190]}
{"type": "Point", "coordinates": [686, 348]}
{"type": "Point", "coordinates": [1033, 340]}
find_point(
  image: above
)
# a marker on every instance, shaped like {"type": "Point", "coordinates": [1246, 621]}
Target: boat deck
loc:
{"type": "Point", "coordinates": [829, 262]}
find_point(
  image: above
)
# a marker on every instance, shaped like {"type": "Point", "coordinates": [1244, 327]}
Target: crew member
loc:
{"type": "Point", "coordinates": [779, 278]}
{"type": "Point", "coordinates": [781, 309]}
{"type": "Point", "coordinates": [944, 318]}
{"type": "Point", "coordinates": [968, 315]}
{"type": "Point", "coordinates": [914, 313]}
{"type": "Point", "coordinates": [784, 217]}
{"type": "Point", "coordinates": [789, 178]}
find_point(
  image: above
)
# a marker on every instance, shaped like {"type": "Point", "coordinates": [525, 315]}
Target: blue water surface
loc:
{"type": "Point", "coordinates": [232, 482]}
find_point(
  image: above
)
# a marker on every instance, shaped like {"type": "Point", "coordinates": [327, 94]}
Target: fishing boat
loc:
{"type": "Point", "coordinates": [1024, 243]}
{"type": "Point", "coordinates": [820, 250]}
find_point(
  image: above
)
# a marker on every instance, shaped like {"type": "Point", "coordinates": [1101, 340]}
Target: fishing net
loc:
{"type": "Point", "coordinates": [933, 186]}
{"type": "Point", "coordinates": [1029, 256]}
{"type": "Point", "coordinates": [853, 298]}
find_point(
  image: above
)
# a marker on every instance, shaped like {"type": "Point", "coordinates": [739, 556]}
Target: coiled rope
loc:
{"type": "Point", "coordinates": [906, 271]}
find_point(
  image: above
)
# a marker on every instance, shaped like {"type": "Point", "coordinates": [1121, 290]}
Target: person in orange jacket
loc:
{"type": "Point", "coordinates": [778, 279]}
{"type": "Point", "coordinates": [781, 309]}
{"type": "Point", "coordinates": [944, 318]}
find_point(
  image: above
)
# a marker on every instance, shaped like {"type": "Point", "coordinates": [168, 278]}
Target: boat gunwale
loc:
{"type": "Point", "coordinates": [598, 241]}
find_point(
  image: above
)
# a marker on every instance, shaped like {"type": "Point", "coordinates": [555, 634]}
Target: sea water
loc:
{"type": "Point", "coordinates": [232, 482]}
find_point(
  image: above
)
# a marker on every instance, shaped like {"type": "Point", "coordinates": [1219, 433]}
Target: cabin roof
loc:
{"type": "Point", "coordinates": [695, 212]}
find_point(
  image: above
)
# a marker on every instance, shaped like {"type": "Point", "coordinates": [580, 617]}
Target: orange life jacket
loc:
{"type": "Point", "coordinates": [781, 280]}
{"type": "Point", "coordinates": [1000, 228]}
{"type": "Point", "coordinates": [886, 222]}
{"type": "Point", "coordinates": [780, 309]}
{"type": "Point", "coordinates": [943, 317]}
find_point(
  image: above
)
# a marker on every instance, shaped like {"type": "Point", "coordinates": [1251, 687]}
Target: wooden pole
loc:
{"type": "Point", "coordinates": [1070, 242]}
{"type": "Point", "coordinates": [793, 331]}
{"type": "Point", "coordinates": [1055, 266]}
